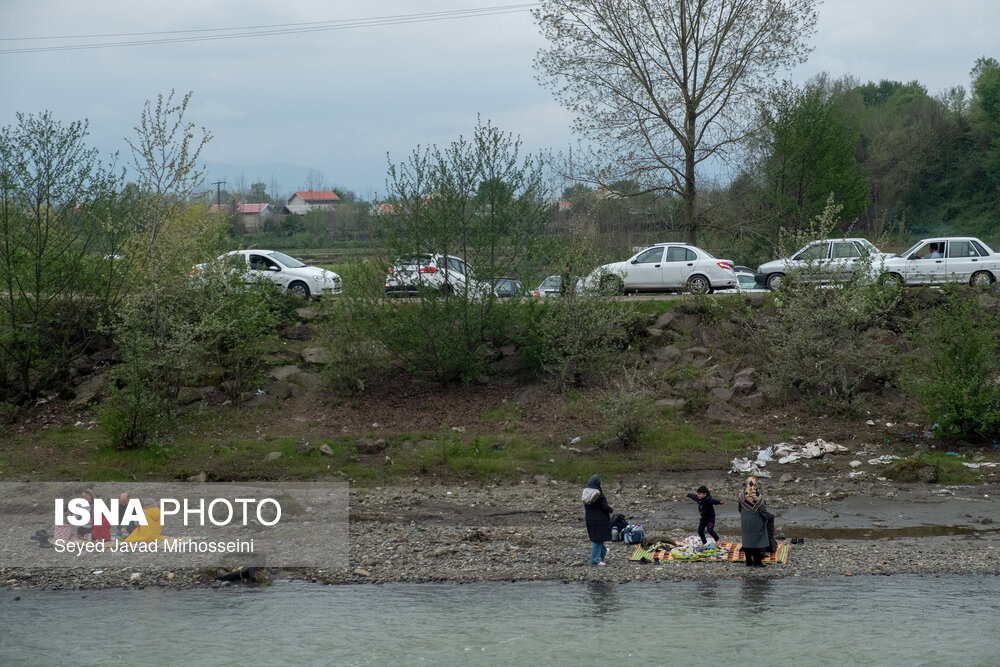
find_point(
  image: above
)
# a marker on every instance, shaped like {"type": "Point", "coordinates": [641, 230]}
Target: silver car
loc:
{"type": "Point", "coordinates": [665, 267]}
{"type": "Point", "coordinates": [827, 260]}
{"type": "Point", "coordinates": [945, 259]}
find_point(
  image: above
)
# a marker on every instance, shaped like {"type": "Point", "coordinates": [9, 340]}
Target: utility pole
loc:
{"type": "Point", "coordinates": [218, 192]}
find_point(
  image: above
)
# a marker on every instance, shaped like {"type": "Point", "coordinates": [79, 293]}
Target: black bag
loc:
{"type": "Point", "coordinates": [618, 524]}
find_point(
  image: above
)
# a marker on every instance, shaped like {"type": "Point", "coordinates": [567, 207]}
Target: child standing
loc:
{"type": "Point", "coordinates": [706, 508]}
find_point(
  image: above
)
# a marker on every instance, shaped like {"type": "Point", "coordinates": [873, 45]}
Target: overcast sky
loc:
{"type": "Point", "coordinates": [336, 101]}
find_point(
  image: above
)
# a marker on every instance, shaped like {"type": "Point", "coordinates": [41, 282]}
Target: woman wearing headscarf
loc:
{"type": "Point", "coordinates": [598, 516]}
{"type": "Point", "coordinates": [754, 520]}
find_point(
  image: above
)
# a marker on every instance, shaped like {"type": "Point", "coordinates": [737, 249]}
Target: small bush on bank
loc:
{"type": "Point", "coordinates": [574, 341]}
{"type": "Point", "coordinates": [956, 370]}
{"type": "Point", "coordinates": [626, 411]}
{"type": "Point", "coordinates": [824, 344]}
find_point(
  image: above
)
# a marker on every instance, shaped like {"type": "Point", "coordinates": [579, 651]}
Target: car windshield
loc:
{"type": "Point", "coordinates": [912, 250]}
{"type": "Point", "coordinates": [867, 248]}
{"type": "Point", "coordinates": [285, 260]}
{"type": "Point", "coordinates": [414, 260]}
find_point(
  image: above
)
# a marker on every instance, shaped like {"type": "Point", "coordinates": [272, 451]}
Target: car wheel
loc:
{"type": "Point", "coordinates": [299, 289]}
{"type": "Point", "coordinates": [891, 279]}
{"type": "Point", "coordinates": [981, 279]}
{"type": "Point", "coordinates": [612, 285]}
{"type": "Point", "coordinates": [699, 284]}
{"type": "Point", "coordinates": [773, 281]}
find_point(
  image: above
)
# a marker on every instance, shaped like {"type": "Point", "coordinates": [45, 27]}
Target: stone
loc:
{"type": "Point", "coordinates": [684, 322]}
{"type": "Point", "coordinates": [200, 477]}
{"type": "Point", "coordinates": [297, 332]}
{"type": "Point", "coordinates": [188, 395]}
{"type": "Point", "coordinates": [305, 314]}
{"type": "Point", "coordinates": [753, 401]}
{"type": "Point", "coordinates": [653, 332]}
{"type": "Point", "coordinates": [369, 446]}
{"type": "Point", "coordinates": [670, 354]}
{"type": "Point", "coordinates": [675, 403]}
{"type": "Point", "coordinates": [721, 394]}
{"type": "Point", "coordinates": [326, 449]}
{"type": "Point", "coordinates": [707, 336]}
{"type": "Point", "coordinates": [304, 448]}
{"type": "Point", "coordinates": [531, 395]}
{"type": "Point", "coordinates": [284, 372]}
{"type": "Point", "coordinates": [315, 355]}
{"type": "Point", "coordinates": [719, 411]}
{"type": "Point", "coordinates": [92, 389]}
{"type": "Point", "coordinates": [786, 478]}
{"type": "Point", "coordinates": [272, 456]}
{"type": "Point", "coordinates": [361, 572]}
{"type": "Point", "coordinates": [280, 390]}
{"type": "Point", "coordinates": [309, 382]}
{"type": "Point", "coordinates": [135, 576]}
{"type": "Point", "coordinates": [259, 400]}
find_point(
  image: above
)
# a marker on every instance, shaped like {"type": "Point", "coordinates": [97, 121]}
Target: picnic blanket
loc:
{"type": "Point", "coordinates": [728, 551]}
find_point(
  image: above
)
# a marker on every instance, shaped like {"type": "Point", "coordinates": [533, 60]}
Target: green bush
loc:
{"type": "Point", "coordinates": [956, 371]}
{"type": "Point", "coordinates": [576, 340]}
{"type": "Point", "coordinates": [826, 345]}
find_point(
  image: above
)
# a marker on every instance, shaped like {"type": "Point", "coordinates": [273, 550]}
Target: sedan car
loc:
{"type": "Point", "coordinates": [824, 261]}
{"type": "Point", "coordinates": [506, 288]}
{"type": "Point", "coordinates": [551, 286]}
{"type": "Point", "coordinates": [446, 274]}
{"type": "Point", "coordinates": [945, 259]}
{"type": "Point", "coordinates": [665, 267]}
{"type": "Point", "coordinates": [297, 278]}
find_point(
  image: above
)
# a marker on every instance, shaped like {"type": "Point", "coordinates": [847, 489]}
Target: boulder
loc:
{"type": "Point", "coordinates": [272, 456]}
{"type": "Point", "coordinates": [94, 388]}
{"type": "Point", "coordinates": [326, 449]}
{"type": "Point", "coordinates": [675, 403]}
{"type": "Point", "coordinates": [315, 355]}
{"type": "Point", "coordinates": [259, 400]}
{"type": "Point", "coordinates": [751, 402]}
{"type": "Point", "coordinates": [669, 354]}
{"type": "Point", "coordinates": [305, 314]}
{"type": "Point", "coordinates": [297, 332]}
{"type": "Point", "coordinates": [719, 411]}
{"type": "Point", "coordinates": [281, 390]}
{"type": "Point", "coordinates": [284, 373]}
{"type": "Point", "coordinates": [721, 394]}
{"type": "Point", "coordinates": [684, 322]}
{"type": "Point", "coordinates": [707, 336]}
{"type": "Point", "coordinates": [188, 395]}
{"type": "Point", "coordinates": [369, 446]}
{"type": "Point", "coordinates": [309, 382]}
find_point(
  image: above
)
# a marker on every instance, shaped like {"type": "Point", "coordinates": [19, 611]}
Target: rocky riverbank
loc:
{"type": "Point", "coordinates": [533, 530]}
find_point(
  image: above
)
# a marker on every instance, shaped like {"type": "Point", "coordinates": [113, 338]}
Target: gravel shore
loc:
{"type": "Point", "coordinates": [533, 530]}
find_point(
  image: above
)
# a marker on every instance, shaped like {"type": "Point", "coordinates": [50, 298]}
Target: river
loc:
{"type": "Point", "coordinates": [899, 620]}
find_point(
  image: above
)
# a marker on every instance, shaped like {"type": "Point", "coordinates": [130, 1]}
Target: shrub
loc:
{"type": "Point", "coordinates": [821, 344]}
{"type": "Point", "coordinates": [576, 340]}
{"type": "Point", "coordinates": [956, 371]}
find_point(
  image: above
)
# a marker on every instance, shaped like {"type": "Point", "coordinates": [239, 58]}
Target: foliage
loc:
{"type": "Point", "coordinates": [955, 375]}
{"type": "Point", "coordinates": [665, 85]}
{"type": "Point", "coordinates": [826, 347]}
{"type": "Point", "coordinates": [811, 155]}
{"type": "Point", "coordinates": [57, 203]}
{"type": "Point", "coordinates": [478, 199]}
{"type": "Point", "coordinates": [626, 411]}
{"type": "Point", "coordinates": [577, 340]}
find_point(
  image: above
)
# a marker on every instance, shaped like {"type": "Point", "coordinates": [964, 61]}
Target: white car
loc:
{"type": "Point", "coordinates": [446, 274]}
{"type": "Point", "coordinates": [551, 286]}
{"type": "Point", "coordinates": [295, 277]}
{"type": "Point", "coordinates": [945, 259]}
{"type": "Point", "coordinates": [665, 267]}
{"type": "Point", "coordinates": [827, 260]}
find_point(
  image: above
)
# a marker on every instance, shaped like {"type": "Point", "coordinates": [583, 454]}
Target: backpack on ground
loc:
{"type": "Point", "coordinates": [633, 534]}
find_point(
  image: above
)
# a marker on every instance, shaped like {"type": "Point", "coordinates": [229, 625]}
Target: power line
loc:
{"type": "Point", "coordinates": [198, 35]}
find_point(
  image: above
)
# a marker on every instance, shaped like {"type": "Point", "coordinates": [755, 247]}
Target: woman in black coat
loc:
{"type": "Point", "coordinates": [598, 516]}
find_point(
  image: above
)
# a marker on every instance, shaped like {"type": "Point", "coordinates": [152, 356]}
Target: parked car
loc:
{"type": "Point", "coordinates": [945, 259]}
{"type": "Point", "coordinates": [551, 286]}
{"type": "Point", "coordinates": [442, 273]}
{"type": "Point", "coordinates": [505, 288]}
{"type": "Point", "coordinates": [827, 260]}
{"type": "Point", "coordinates": [747, 280]}
{"type": "Point", "coordinates": [295, 277]}
{"type": "Point", "coordinates": [665, 267]}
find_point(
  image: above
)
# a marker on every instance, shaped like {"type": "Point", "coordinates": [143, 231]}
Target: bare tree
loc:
{"type": "Point", "coordinates": [665, 85]}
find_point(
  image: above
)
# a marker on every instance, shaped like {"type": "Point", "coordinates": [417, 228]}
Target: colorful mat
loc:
{"type": "Point", "coordinates": [730, 552]}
